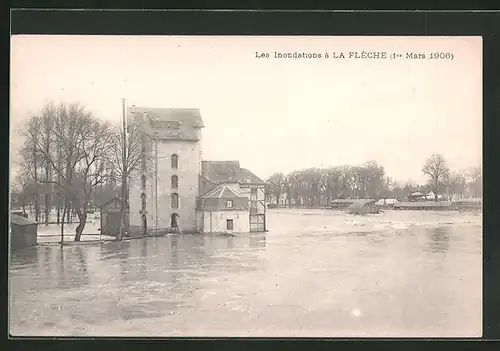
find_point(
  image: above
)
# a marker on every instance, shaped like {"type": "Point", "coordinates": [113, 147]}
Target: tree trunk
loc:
{"type": "Point", "coordinates": [35, 201]}
{"type": "Point", "coordinates": [47, 209]}
{"type": "Point", "coordinates": [119, 236]}
{"type": "Point", "coordinates": [47, 196]}
{"type": "Point", "coordinates": [68, 213]}
{"type": "Point", "coordinates": [82, 217]}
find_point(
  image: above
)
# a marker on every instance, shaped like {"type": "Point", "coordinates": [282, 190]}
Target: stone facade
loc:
{"type": "Point", "coordinates": [217, 222]}
{"type": "Point", "coordinates": [175, 189]}
{"type": "Point", "coordinates": [189, 165]}
{"type": "Point", "coordinates": [178, 135]}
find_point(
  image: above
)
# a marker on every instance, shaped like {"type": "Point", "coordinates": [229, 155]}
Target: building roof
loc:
{"type": "Point", "coordinates": [361, 202]}
{"type": "Point", "coordinates": [168, 123]}
{"type": "Point", "coordinates": [348, 201]}
{"type": "Point", "coordinates": [221, 191]}
{"type": "Point", "coordinates": [468, 201]}
{"type": "Point", "coordinates": [110, 201]}
{"type": "Point", "coordinates": [341, 201]}
{"type": "Point", "coordinates": [189, 116]}
{"type": "Point", "coordinates": [420, 204]}
{"type": "Point", "coordinates": [20, 220]}
{"type": "Point", "coordinates": [248, 177]}
{"type": "Point", "coordinates": [386, 201]}
{"type": "Point", "coordinates": [228, 171]}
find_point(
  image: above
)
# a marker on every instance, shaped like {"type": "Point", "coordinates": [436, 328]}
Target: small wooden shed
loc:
{"type": "Point", "coordinates": [23, 232]}
{"type": "Point", "coordinates": [110, 217]}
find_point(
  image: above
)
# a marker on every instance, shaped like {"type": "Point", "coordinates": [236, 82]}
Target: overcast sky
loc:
{"type": "Point", "coordinates": [274, 115]}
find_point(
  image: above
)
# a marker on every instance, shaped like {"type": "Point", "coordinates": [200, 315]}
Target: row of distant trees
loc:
{"type": "Point", "coordinates": [72, 161]}
{"type": "Point", "coordinates": [316, 187]}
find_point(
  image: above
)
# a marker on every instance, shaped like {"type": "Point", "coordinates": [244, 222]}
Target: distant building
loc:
{"type": "Point", "coordinates": [386, 202]}
{"type": "Point", "coordinates": [431, 196]}
{"type": "Point", "coordinates": [180, 191]}
{"type": "Point", "coordinates": [418, 196]}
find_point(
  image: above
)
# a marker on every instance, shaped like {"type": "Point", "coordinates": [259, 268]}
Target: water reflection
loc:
{"type": "Point", "coordinates": [257, 241]}
{"type": "Point", "coordinates": [397, 280]}
{"type": "Point", "coordinates": [71, 268]}
{"type": "Point", "coordinates": [62, 282]}
{"type": "Point", "coordinates": [439, 239]}
{"type": "Point", "coordinates": [82, 260]}
{"type": "Point", "coordinates": [25, 257]}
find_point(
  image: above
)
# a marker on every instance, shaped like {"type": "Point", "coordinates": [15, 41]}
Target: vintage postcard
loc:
{"type": "Point", "coordinates": [246, 186]}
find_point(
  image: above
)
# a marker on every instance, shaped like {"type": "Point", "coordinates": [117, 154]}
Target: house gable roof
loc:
{"type": "Point", "coordinates": [20, 220]}
{"type": "Point", "coordinates": [189, 116]}
{"type": "Point", "coordinates": [362, 202]}
{"type": "Point", "coordinates": [167, 123]}
{"type": "Point", "coordinates": [228, 171]}
{"type": "Point", "coordinates": [110, 201]}
{"type": "Point", "coordinates": [221, 191]}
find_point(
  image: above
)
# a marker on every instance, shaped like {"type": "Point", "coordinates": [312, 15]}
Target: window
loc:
{"type": "Point", "coordinates": [174, 182]}
{"type": "Point", "coordinates": [229, 224]}
{"type": "Point", "coordinates": [174, 201]}
{"type": "Point", "coordinates": [229, 203]}
{"type": "Point", "coordinates": [173, 125]}
{"type": "Point", "coordinates": [175, 161]}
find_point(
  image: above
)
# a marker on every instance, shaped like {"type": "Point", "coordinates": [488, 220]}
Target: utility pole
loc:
{"type": "Point", "coordinates": [156, 184]}
{"type": "Point", "coordinates": [124, 172]}
{"type": "Point", "coordinates": [143, 176]}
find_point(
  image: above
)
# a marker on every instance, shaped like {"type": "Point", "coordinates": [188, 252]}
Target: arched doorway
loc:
{"type": "Point", "coordinates": [174, 223]}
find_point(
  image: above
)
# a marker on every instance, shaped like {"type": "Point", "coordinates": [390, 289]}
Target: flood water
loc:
{"type": "Point", "coordinates": [316, 273]}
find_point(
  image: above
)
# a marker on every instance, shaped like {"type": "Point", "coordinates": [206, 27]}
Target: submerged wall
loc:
{"type": "Point", "coordinates": [216, 221]}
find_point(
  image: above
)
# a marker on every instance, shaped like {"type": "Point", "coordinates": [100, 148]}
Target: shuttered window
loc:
{"type": "Point", "coordinates": [175, 201]}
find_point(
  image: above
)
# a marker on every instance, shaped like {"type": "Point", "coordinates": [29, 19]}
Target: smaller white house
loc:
{"type": "Point", "coordinates": [431, 196]}
{"type": "Point", "coordinates": [223, 210]}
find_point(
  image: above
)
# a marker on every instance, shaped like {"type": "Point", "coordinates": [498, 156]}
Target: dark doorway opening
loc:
{"type": "Point", "coordinates": [174, 222]}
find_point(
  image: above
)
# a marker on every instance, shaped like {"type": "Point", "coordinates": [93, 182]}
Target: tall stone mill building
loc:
{"type": "Point", "coordinates": [177, 191]}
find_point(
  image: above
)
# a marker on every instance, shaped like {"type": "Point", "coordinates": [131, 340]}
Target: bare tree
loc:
{"type": "Point", "coordinates": [332, 178]}
{"type": "Point", "coordinates": [47, 121]}
{"type": "Point", "coordinates": [455, 184]}
{"type": "Point", "coordinates": [387, 189]}
{"type": "Point", "coordinates": [435, 167]}
{"type": "Point", "coordinates": [30, 157]}
{"type": "Point", "coordinates": [316, 187]}
{"type": "Point", "coordinates": [475, 175]}
{"type": "Point", "coordinates": [82, 143]}
{"type": "Point", "coordinates": [124, 157]}
{"type": "Point", "coordinates": [276, 184]}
